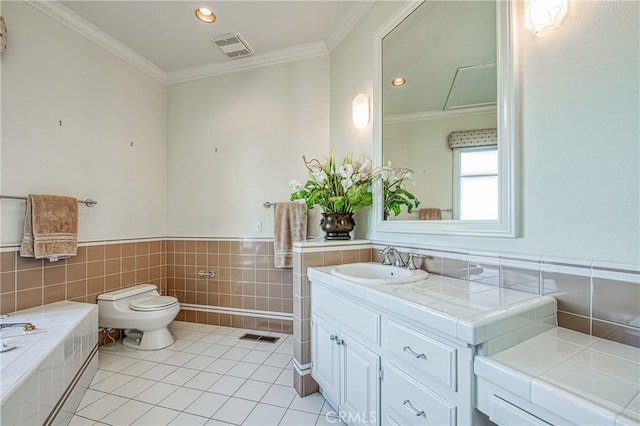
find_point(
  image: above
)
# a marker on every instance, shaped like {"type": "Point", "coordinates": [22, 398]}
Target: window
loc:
{"type": "Point", "coordinates": [476, 183]}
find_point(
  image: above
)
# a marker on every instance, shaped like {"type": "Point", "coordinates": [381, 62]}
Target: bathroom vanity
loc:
{"type": "Point", "coordinates": [401, 353]}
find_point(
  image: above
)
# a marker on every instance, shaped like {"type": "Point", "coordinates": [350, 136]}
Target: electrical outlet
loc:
{"type": "Point", "coordinates": [258, 226]}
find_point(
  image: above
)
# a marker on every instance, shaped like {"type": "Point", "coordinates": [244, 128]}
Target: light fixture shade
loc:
{"type": "Point", "coordinates": [543, 16]}
{"type": "Point", "coordinates": [360, 110]}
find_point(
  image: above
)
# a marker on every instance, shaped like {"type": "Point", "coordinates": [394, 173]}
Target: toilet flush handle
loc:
{"type": "Point", "coordinates": [209, 274]}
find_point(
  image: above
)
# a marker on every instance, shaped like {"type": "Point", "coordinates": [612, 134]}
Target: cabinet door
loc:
{"type": "Point", "coordinates": [360, 382]}
{"type": "Point", "coordinates": [324, 356]}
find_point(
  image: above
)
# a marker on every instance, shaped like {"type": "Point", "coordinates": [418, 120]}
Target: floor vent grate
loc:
{"type": "Point", "coordinates": [259, 338]}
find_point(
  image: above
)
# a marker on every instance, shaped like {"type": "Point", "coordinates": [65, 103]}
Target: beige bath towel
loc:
{"type": "Point", "coordinates": [50, 227]}
{"type": "Point", "coordinates": [290, 225]}
{"type": "Point", "coordinates": [430, 214]}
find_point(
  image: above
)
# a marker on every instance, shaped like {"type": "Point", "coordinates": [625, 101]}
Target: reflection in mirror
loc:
{"type": "Point", "coordinates": [444, 107]}
{"type": "Point", "coordinates": [446, 53]}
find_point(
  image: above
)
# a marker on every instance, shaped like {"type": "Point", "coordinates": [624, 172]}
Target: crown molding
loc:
{"type": "Point", "coordinates": [435, 115]}
{"type": "Point", "coordinates": [347, 23]}
{"type": "Point", "coordinates": [83, 27]}
{"type": "Point", "coordinates": [295, 53]}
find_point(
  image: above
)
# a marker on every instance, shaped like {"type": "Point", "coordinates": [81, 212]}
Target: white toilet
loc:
{"type": "Point", "coordinates": [142, 313]}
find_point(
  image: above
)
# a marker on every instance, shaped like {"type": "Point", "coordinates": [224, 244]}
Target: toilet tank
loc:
{"type": "Point", "coordinates": [124, 293]}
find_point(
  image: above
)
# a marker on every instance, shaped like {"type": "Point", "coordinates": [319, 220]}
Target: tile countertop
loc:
{"type": "Point", "coordinates": [581, 378]}
{"type": "Point", "coordinates": [471, 312]}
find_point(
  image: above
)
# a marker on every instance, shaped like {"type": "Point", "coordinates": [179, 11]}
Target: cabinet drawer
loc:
{"type": "Point", "coordinates": [408, 403]}
{"type": "Point", "coordinates": [504, 413]}
{"type": "Point", "coordinates": [418, 353]}
{"type": "Point", "coordinates": [357, 318]}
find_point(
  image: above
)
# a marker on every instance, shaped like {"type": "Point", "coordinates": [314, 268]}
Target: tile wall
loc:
{"type": "Point", "coordinates": [98, 268]}
{"type": "Point", "coordinates": [245, 279]}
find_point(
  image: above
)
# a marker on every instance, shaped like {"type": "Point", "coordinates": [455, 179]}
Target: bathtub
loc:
{"type": "Point", "coordinates": [43, 379]}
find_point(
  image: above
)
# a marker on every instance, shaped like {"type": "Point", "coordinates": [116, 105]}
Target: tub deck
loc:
{"type": "Point", "coordinates": [35, 375]}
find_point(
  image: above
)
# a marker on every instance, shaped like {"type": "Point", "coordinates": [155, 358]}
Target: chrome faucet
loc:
{"type": "Point", "coordinates": [410, 263]}
{"type": "Point", "coordinates": [26, 326]}
{"type": "Point", "coordinates": [385, 252]}
{"type": "Point", "coordinates": [398, 256]}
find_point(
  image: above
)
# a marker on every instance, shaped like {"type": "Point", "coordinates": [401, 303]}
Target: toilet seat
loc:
{"type": "Point", "coordinates": [152, 303]}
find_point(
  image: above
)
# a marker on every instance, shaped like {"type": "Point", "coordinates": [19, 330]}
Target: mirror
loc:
{"type": "Point", "coordinates": [452, 121]}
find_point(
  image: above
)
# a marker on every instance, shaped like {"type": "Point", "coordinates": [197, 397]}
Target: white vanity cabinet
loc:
{"type": "Point", "coordinates": [402, 354]}
{"type": "Point", "coordinates": [344, 359]}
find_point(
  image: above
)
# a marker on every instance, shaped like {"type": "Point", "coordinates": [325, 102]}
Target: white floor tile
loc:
{"type": "Point", "coordinates": [220, 366]}
{"type": "Point", "coordinates": [179, 359]}
{"type": "Point", "coordinates": [186, 419]}
{"type": "Point", "coordinates": [235, 410]}
{"type": "Point", "coordinates": [243, 369]}
{"type": "Point", "coordinates": [328, 420]}
{"type": "Point", "coordinates": [102, 407]}
{"type": "Point", "coordinates": [180, 345]}
{"type": "Point", "coordinates": [212, 338]}
{"type": "Point", "coordinates": [157, 416]}
{"type": "Point", "coordinates": [195, 335]}
{"type": "Point", "coordinates": [158, 372]}
{"type": "Point", "coordinates": [252, 390]}
{"type": "Point", "coordinates": [256, 357]}
{"type": "Point", "coordinates": [229, 340]}
{"type": "Point", "coordinates": [235, 354]}
{"type": "Point", "coordinates": [278, 360]}
{"type": "Point", "coordinates": [266, 347]}
{"type": "Point", "coordinates": [224, 330]}
{"type": "Point", "coordinates": [161, 355]}
{"type": "Point", "coordinates": [200, 362]}
{"type": "Point", "coordinates": [207, 404]}
{"type": "Point", "coordinates": [279, 395]}
{"type": "Point", "coordinates": [100, 376]}
{"type": "Point", "coordinates": [285, 378]}
{"type": "Point", "coordinates": [105, 358]}
{"type": "Point", "coordinates": [127, 413]}
{"type": "Point", "coordinates": [80, 421]}
{"type": "Point", "coordinates": [227, 385]}
{"type": "Point", "coordinates": [180, 376]}
{"type": "Point", "coordinates": [216, 350]}
{"type": "Point", "coordinates": [90, 397]}
{"type": "Point", "coordinates": [246, 344]}
{"type": "Point", "coordinates": [285, 348]}
{"type": "Point", "coordinates": [197, 347]}
{"type": "Point", "coordinates": [203, 380]}
{"type": "Point", "coordinates": [311, 403]}
{"type": "Point", "coordinates": [138, 368]}
{"type": "Point", "coordinates": [265, 373]}
{"type": "Point", "coordinates": [180, 399]}
{"type": "Point", "coordinates": [133, 388]}
{"type": "Point", "coordinates": [298, 418]}
{"type": "Point", "coordinates": [156, 393]}
{"type": "Point", "coordinates": [264, 415]}
{"type": "Point", "coordinates": [112, 382]}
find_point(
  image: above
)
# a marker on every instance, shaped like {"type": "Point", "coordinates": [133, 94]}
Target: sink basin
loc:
{"type": "Point", "coordinates": [375, 273]}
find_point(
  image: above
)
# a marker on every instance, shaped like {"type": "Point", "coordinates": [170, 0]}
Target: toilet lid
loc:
{"type": "Point", "coordinates": [152, 303]}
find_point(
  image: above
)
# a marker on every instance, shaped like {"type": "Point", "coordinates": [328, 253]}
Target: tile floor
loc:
{"type": "Point", "coordinates": [207, 377]}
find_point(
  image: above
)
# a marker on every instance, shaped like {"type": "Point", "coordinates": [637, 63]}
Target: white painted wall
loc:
{"type": "Point", "coordinates": [236, 140]}
{"type": "Point", "coordinates": [52, 74]}
{"type": "Point", "coordinates": [580, 134]}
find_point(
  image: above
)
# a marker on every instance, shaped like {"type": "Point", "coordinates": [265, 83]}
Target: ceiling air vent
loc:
{"type": "Point", "coordinates": [233, 45]}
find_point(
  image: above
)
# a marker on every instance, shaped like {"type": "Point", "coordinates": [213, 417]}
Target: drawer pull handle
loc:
{"type": "Point", "coordinates": [413, 409]}
{"type": "Point", "coordinates": [408, 350]}
{"type": "Point", "coordinates": [333, 337]}
{"type": "Point", "coordinates": [339, 342]}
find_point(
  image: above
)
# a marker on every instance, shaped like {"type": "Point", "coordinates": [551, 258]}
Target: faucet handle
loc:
{"type": "Point", "coordinates": [385, 251]}
{"type": "Point", "coordinates": [410, 263]}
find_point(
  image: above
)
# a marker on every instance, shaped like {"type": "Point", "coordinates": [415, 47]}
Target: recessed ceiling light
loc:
{"type": "Point", "coordinates": [398, 81]}
{"type": "Point", "coordinates": [205, 15]}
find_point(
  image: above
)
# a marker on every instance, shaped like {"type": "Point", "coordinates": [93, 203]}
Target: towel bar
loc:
{"type": "Point", "coordinates": [88, 202]}
{"type": "Point", "coordinates": [267, 204]}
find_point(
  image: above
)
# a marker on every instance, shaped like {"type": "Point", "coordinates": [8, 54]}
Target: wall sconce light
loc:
{"type": "Point", "coordinates": [543, 16]}
{"type": "Point", "coordinates": [360, 110]}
